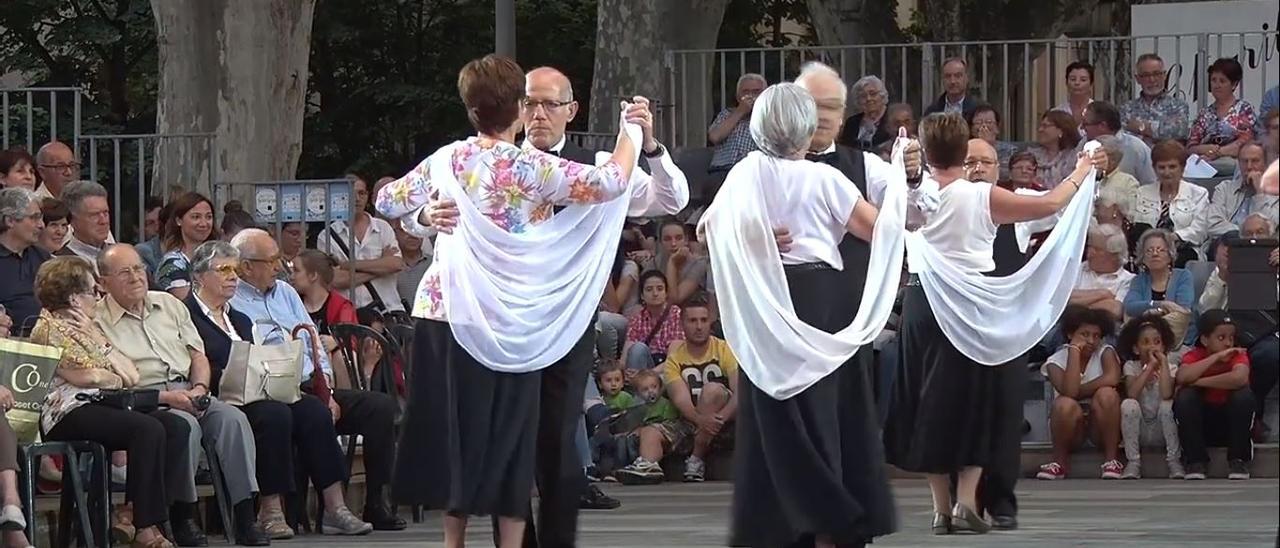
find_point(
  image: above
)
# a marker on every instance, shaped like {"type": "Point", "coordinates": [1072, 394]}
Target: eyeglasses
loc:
{"type": "Point", "coordinates": [70, 166]}
{"type": "Point", "coordinates": [970, 164]}
{"type": "Point", "coordinates": [547, 105]}
{"type": "Point", "coordinates": [228, 269]}
{"type": "Point", "coordinates": [135, 270]}
{"type": "Point", "coordinates": [1148, 75]}
{"type": "Point", "coordinates": [268, 260]}
{"type": "Point", "coordinates": [1156, 251]}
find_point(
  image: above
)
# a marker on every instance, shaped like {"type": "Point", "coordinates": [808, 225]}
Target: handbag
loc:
{"type": "Point", "coordinates": [144, 400]}
{"type": "Point", "coordinates": [257, 372]}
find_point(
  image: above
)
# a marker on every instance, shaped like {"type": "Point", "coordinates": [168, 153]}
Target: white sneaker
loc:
{"type": "Point", "coordinates": [1132, 470]}
{"type": "Point", "coordinates": [641, 472]}
{"type": "Point", "coordinates": [1176, 471]}
{"type": "Point", "coordinates": [695, 470]}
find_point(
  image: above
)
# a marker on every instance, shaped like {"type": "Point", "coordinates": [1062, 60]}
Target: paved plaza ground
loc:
{"type": "Point", "coordinates": [1154, 513]}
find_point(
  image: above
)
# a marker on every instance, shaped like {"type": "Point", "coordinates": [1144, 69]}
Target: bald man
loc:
{"type": "Point", "coordinates": [57, 166]}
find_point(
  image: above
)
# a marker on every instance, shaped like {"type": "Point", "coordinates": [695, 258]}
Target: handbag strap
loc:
{"type": "Point", "coordinates": [377, 299]}
{"type": "Point", "coordinates": [657, 326]}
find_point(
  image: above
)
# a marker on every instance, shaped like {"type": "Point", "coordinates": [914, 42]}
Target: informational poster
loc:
{"type": "Point", "coordinates": [290, 203]}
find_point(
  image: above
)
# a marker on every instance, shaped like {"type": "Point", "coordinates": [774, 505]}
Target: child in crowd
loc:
{"type": "Point", "coordinates": [609, 375]}
{"type": "Point", "coordinates": [1084, 373]}
{"type": "Point", "coordinates": [1213, 404]}
{"type": "Point", "coordinates": [662, 432]}
{"type": "Point", "coordinates": [1146, 414]}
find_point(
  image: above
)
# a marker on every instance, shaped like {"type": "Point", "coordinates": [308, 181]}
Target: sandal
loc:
{"type": "Point", "coordinates": [157, 542]}
{"type": "Point", "coordinates": [122, 529]}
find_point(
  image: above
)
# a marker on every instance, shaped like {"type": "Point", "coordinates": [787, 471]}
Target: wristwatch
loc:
{"type": "Point", "coordinates": [656, 152]}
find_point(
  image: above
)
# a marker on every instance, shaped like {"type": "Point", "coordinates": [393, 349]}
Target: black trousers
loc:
{"type": "Point", "coordinates": [373, 416]}
{"type": "Point", "coordinates": [996, 489]}
{"type": "Point", "coordinates": [1201, 424]}
{"type": "Point", "coordinates": [157, 447]}
{"type": "Point", "coordinates": [559, 473]}
{"type": "Point", "coordinates": [299, 434]}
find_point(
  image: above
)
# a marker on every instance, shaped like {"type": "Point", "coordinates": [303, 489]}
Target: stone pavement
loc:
{"type": "Point", "coordinates": [1154, 513]}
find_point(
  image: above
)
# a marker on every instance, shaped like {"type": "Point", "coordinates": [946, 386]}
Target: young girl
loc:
{"type": "Point", "coordinates": [1213, 404]}
{"type": "Point", "coordinates": [663, 432]}
{"type": "Point", "coordinates": [651, 330]}
{"type": "Point", "coordinates": [1146, 414]}
{"type": "Point", "coordinates": [1085, 373]}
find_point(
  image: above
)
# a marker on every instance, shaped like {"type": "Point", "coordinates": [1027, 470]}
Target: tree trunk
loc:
{"type": "Point", "coordinates": [238, 70]}
{"type": "Point", "coordinates": [851, 22]}
{"type": "Point", "coordinates": [631, 41]}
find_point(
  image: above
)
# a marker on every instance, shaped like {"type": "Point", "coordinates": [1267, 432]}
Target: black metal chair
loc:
{"type": "Point", "coordinates": [86, 492]}
{"type": "Point", "coordinates": [397, 317]}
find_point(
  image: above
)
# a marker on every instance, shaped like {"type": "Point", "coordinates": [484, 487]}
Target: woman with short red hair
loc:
{"type": "Point", "coordinates": [1174, 204]}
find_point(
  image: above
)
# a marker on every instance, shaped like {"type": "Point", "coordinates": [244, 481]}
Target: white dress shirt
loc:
{"type": "Point", "coordinates": [378, 237]}
{"type": "Point", "coordinates": [1116, 282]}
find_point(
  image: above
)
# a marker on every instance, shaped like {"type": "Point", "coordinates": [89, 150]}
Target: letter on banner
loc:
{"type": "Point", "coordinates": [26, 369]}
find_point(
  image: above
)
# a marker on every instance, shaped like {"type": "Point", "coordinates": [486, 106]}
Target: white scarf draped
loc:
{"type": "Point", "coordinates": [518, 302]}
{"type": "Point", "coordinates": [781, 354]}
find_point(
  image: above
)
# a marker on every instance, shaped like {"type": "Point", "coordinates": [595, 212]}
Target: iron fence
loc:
{"type": "Point", "coordinates": [34, 116]}
{"type": "Point", "coordinates": [1020, 78]}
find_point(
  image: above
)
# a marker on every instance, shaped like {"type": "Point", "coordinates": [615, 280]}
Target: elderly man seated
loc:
{"type": "Point", "coordinates": [729, 131]}
{"type": "Point", "coordinates": [1235, 200]}
{"type": "Point", "coordinates": [1103, 281]}
{"type": "Point", "coordinates": [267, 300]}
{"type": "Point", "coordinates": [154, 330]}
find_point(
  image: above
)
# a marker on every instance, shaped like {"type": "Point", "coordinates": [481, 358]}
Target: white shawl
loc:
{"type": "Point", "coordinates": [519, 302]}
{"type": "Point", "coordinates": [781, 354]}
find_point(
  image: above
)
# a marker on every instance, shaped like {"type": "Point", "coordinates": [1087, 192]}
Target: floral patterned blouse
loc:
{"type": "Point", "coordinates": [640, 324]}
{"type": "Point", "coordinates": [514, 187]}
{"type": "Point", "coordinates": [1212, 129]}
{"type": "Point", "coordinates": [77, 353]}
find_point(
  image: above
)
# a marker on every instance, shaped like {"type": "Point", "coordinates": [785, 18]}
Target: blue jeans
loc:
{"type": "Point", "coordinates": [638, 357]}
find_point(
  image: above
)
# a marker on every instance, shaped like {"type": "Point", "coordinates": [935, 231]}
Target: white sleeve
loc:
{"type": "Point", "coordinates": [1024, 230]}
{"type": "Point", "coordinates": [878, 173]}
{"type": "Point", "coordinates": [838, 193]}
{"type": "Point", "coordinates": [665, 192]}
{"type": "Point", "coordinates": [411, 225]}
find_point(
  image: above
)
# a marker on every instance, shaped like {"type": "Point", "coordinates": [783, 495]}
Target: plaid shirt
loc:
{"type": "Point", "coordinates": [1169, 117]}
{"type": "Point", "coordinates": [736, 146]}
{"type": "Point", "coordinates": [640, 324]}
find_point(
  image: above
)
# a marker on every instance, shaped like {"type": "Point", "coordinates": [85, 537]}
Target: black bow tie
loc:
{"type": "Point", "coordinates": [555, 153]}
{"type": "Point", "coordinates": [829, 158]}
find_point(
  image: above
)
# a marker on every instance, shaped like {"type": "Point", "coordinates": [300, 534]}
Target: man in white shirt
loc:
{"type": "Point", "coordinates": [1235, 200]}
{"type": "Point", "coordinates": [1103, 281]}
{"type": "Point", "coordinates": [1103, 118]}
{"type": "Point", "coordinates": [371, 260]}
{"type": "Point", "coordinates": [57, 166]}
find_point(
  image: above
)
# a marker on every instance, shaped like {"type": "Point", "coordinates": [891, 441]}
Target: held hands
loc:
{"type": "Point", "coordinates": [909, 150]}
{"type": "Point", "coordinates": [638, 113]}
{"type": "Point", "coordinates": [442, 214]}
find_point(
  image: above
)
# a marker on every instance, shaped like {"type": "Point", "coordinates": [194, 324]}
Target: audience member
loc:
{"type": "Point", "coordinates": [652, 329]}
{"type": "Point", "coordinates": [1107, 212]}
{"type": "Point", "coordinates": [1023, 172]}
{"type": "Point", "coordinates": [1103, 280]}
{"type": "Point", "coordinates": [730, 132]}
{"type": "Point", "coordinates": [152, 250]}
{"type": "Point", "coordinates": [901, 115]}
{"type": "Point", "coordinates": [1174, 204]}
{"type": "Point", "coordinates": [293, 239]}
{"type": "Point", "coordinates": [868, 129]}
{"type": "Point", "coordinates": [1227, 123]}
{"type": "Point", "coordinates": [1055, 148]}
{"type": "Point", "coordinates": [701, 377]}
{"type": "Point", "coordinates": [1155, 114]}
{"type": "Point", "coordinates": [56, 166]}
{"type": "Point", "coordinates": [90, 227]}
{"type": "Point", "coordinates": [281, 430]}
{"type": "Point", "coordinates": [157, 442]}
{"type": "Point", "coordinates": [55, 214]}
{"type": "Point", "coordinates": [313, 280]}
{"type": "Point", "coordinates": [262, 297]}
{"type": "Point", "coordinates": [1146, 414]}
{"type": "Point", "coordinates": [1102, 119]}
{"type": "Point", "coordinates": [1118, 186]}
{"type": "Point", "coordinates": [21, 222]}
{"type": "Point", "coordinates": [154, 330]}
{"type": "Point", "coordinates": [1235, 200]}
{"type": "Point", "coordinates": [416, 253]}
{"type": "Point", "coordinates": [661, 433]}
{"type": "Point", "coordinates": [1079, 90]}
{"type": "Point", "coordinates": [1160, 289]}
{"type": "Point", "coordinates": [190, 224]}
{"type": "Point", "coordinates": [17, 168]}
{"type": "Point", "coordinates": [1085, 374]}
{"type": "Point", "coordinates": [151, 219]}
{"type": "Point", "coordinates": [685, 271]}
{"type": "Point", "coordinates": [233, 221]}
{"type": "Point", "coordinates": [367, 253]}
{"type": "Point", "coordinates": [955, 97]}
{"type": "Point", "coordinates": [1271, 137]}
{"type": "Point", "coordinates": [1213, 405]}
{"type": "Point", "coordinates": [12, 521]}
{"type": "Point", "coordinates": [985, 125]}
{"type": "Point", "coordinates": [1270, 103]}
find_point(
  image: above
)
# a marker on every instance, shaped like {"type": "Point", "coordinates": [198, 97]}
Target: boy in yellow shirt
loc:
{"type": "Point", "coordinates": [701, 377]}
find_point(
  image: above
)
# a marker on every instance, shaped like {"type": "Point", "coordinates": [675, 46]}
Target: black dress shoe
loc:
{"type": "Point", "coordinates": [187, 533]}
{"type": "Point", "coordinates": [253, 535]}
{"type": "Point", "coordinates": [383, 519]}
{"type": "Point", "coordinates": [595, 499]}
{"type": "Point", "coordinates": [1004, 523]}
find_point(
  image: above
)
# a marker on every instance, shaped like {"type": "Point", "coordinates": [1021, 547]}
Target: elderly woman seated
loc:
{"type": "Point", "coordinates": [156, 442]}
{"type": "Point", "coordinates": [281, 431]}
{"type": "Point", "coordinates": [1175, 205]}
{"type": "Point", "coordinates": [1160, 289]}
{"type": "Point", "coordinates": [1117, 186]}
{"type": "Point", "coordinates": [869, 128]}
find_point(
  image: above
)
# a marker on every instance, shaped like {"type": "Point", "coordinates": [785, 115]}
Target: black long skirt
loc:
{"type": "Point", "coordinates": [946, 407]}
{"type": "Point", "coordinates": [811, 464]}
{"type": "Point", "coordinates": [468, 436]}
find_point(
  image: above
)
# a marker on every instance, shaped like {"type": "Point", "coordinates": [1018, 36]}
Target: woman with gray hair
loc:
{"type": "Point", "coordinates": [1117, 186]}
{"type": "Point", "coordinates": [868, 130]}
{"type": "Point", "coordinates": [304, 428]}
{"type": "Point", "coordinates": [1160, 289]}
{"type": "Point", "coordinates": [809, 466]}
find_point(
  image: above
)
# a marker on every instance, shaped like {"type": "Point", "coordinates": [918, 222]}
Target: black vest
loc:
{"type": "Point", "coordinates": [853, 251]}
{"type": "Point", "coordinates": [1005, 252]}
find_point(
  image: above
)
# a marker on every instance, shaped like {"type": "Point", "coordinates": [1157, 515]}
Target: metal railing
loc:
{"type": "Point", "coordinates": [144, 165]}
{"type": "Point", "coordinates": [32, 117]}
{"type": "Point", "coordinates": [1021, 78]}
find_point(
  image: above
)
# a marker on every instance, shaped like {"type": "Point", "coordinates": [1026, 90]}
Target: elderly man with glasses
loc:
{"type": "Point", "coordinates": [1155, 114]}
{"type": "Point", "coordinates": [57, 166]}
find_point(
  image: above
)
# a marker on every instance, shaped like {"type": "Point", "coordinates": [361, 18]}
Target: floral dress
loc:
{"type": "Point", "coordinates": [515, 188]}
{"type": "Point", "coordinates": [1212, 129]}
{"type": "Point", "coordinates": [77, 353]}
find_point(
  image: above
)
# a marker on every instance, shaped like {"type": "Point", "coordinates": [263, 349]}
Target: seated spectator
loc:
{"type": "Point", "coordinates": [157, 442]}
{"type": "Point", "coordinates": [955, 83]}
{"type": "Point", "coordinates": [1226, 124]}
{"type": "Point", "coordinates": [1117, 186]}
{"type": "Point", "coordinates": [1174, 204]}
{"type": "Point", "coordinates": [281, 431]}
{"type": "Point", "coordinates": [190, 224]}
{"type": "Point", "coordinates": [17, 168]}
{"type": "Point", "coordinates": [685, 269]}
{"type": "Point", "coordinates": [1270, 104]}
{"type": "Point", "coordinates": [1079, 90]}
{"type": "Point", "coordinates": [368, 254]}
{"type": "Point", "coordinates": [371, 415]}
{"type": "Point", "coordinates": [12, 521]}
{"type": "Point", "coordinates": [1103, 120]}
{"type": "Point", "coordinates": [1085, 374]}
{"type": "Point", "coordinates": [1272, 136]}
{"type": "Point", "coordinates": [1103, 281]}
{"type": "Point", "coordinates": [54, 213]}
{"type": "Point", "coordinates": [867, 130]}
{"type": "Point", "coordinates": [151, 250]}
{"type": "Point", "coordinates": [235, 219]}
{"type": "Point", "coordinates": [701, 376]}
{"type": "Point", "coordinates": [1156, 114]}
{"type": "Point", "coordinates": [1146, 414]}
{"type": "Point", "coordinates": [985, 125]}
{"type": "Point", "coordinates": [1160, 289]}
{"type": "Point", "coordinates": [652, 329]}
{"type": "Point", "coordinates": [313, 280]}
{"type": "Point", "coordinates": [293, 239]}
{"type": "Point", "coordinates": [1107, 212]}
{"type": "Point", "coordinates": [730, 132]}
{"type": "Point", "coordinates": [1237, 199]}
{"type": "Point", "coordinates": [150, 220]}
{"type": "Point", "coordinates": [1023, 168]}
{"type": "Point", "coordinates": [417, 254]}
{"type": "Point", "coordinates": [661, 433]}
{"type": "Point", "coordinates": [90, 226]}
{"type": "Point", "coordinates": [1214, 405]}
{"type": "Point", "coordinates": [1055, 148]}
{"type": "Point", "coordinates": [901, 115]}
{"type": "Point", "coordinates": [21, 224]}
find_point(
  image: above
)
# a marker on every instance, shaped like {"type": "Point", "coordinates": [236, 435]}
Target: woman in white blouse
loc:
{"type": "Point", "coordinates": [1174, 204]}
